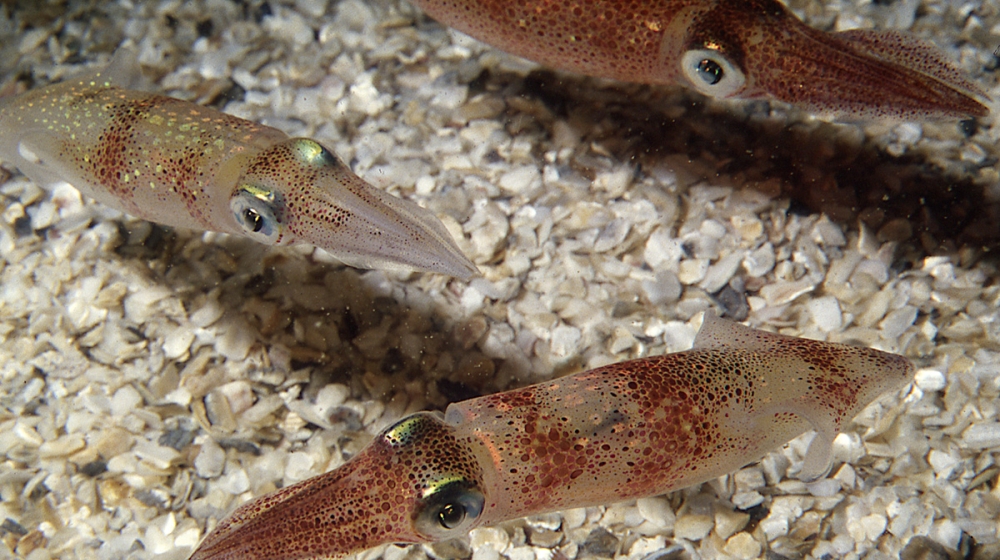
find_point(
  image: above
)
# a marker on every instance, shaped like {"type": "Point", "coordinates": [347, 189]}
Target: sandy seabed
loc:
{"type": "Point", "coordinates": [153, 379]}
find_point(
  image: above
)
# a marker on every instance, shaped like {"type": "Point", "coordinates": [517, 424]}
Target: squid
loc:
{"type": "Point", "coordinates": [183, 165]}
{"type": "Point", "coordinates": [633, 429]}
{"type": "Point", "coordinates": [741, 49]}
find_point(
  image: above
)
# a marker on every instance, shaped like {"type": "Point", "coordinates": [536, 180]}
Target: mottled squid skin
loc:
{"type": "Point", "coordinates": [725, 48]}
{"type": "Point", "coordinates": [634, 429]}
{"type": "Point", "coordinates": [180, 164]}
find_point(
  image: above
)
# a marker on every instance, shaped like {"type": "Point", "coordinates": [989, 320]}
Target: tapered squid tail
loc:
{"type": "Point", "coordinates": [864, 75]}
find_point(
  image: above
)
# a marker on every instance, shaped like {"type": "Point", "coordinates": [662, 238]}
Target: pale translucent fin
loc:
{"type": "Point", "coordinates": [9, 91]}
{"type": "Point", "coordinates": [124, 70]}
{"type": "Point", "coordinates": [35, 157]}
{"type": "Point", "coordinates": [913, 53]}
{"type": "Point", "coordinates": [819, 457]}
{"type": "Point", "coordinates": [717, 333]}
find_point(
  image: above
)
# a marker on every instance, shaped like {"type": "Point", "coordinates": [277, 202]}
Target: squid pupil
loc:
{"type": "Point", "coordinates": [710, 71]}
{"type": "Point", "coordinates": [451, 515]}
{"type": "Point", "coordinates": [253, 218]}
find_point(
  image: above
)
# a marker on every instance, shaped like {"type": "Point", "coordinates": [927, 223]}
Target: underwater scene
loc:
{"type": "Point", "coordinates": [290, 254]}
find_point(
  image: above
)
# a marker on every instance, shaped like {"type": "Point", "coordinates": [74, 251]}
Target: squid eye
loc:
{"type": "Point", "coordinates": [452, 507]}
{"type": "Point", "coordinates": [451, 516]}
{"type": "Point", "coordinates": [711, 73]}
{"type": "Point", "coordinates": [252, 220]}
{"type": "Point", "coordinates": [255, 212]}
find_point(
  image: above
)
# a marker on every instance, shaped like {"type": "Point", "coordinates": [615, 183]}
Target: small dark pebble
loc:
{"type": "Point", "coordinates": [241, 445]}
{"type": "Point", "coordinates": [348, 417]}
{"type": "Point", "coordinates": [22, 226]}
{"type": "Point", "coordinates": [94, 468]}
{"type": "Point", "coordinates": [673, 552]}
{"type": "Point", "coordinates": [38, 492]}
{"type": "Point", "coordinates": [924, 548]}
{"type": "Point", "coordinates": [11, 526]}
{"type": "Point", "coordinates": [151, 498]}
{"type": "Point", "coordinates": [733, 300]}
{"type": "Point", "coordinates": [177, 438]}
{"type": "Point", "coordinates": [625, 308]}
{"type": "Point", "coordinates": [601, 543]}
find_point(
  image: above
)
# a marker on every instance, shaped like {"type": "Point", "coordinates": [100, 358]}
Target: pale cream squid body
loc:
{"type": "Point", "coordinates": [183, 165]}
{"type": "Point", "coordinates": [625, 431]}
